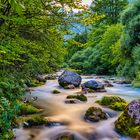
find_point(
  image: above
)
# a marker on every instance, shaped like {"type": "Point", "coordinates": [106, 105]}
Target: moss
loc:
{"type": "Point", "coordinates": [108, 100]}
{"type": "Point", "coordinates": [80, 97]}
{"type": "Point", "coordinates": [119, 106]}
{"type": "Point", "coordinates": [7, 135]}
{"type": "Point", "coordinates": [65, 138]}
{"type": "Point", "coordinates": [35, 120]}
{"type": "Point", "coordinates": [126, 125]}
{"type": "Point", "coordinates": [95, 114]}
{"type": "Point", "coordinates": [98, 102]}
{"type": "Point", "coordinates": [90, 90]}
{"type": "Point", "coordinates": [32, 82]}
{"type": "Point", "coordinates": [113, 102]}
{"type": "Point", "coordinates": [26, 109]}
{"type": "Point", "coordinates": [56, 91]}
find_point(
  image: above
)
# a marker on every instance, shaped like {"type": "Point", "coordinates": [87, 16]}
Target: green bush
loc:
{"type": "Point", "coordinates": [10, 90]}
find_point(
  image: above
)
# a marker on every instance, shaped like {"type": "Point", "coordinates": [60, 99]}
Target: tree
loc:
{"type": "Point", "coordinates": [109, 8]}
{"type": "Point", "coordinates": [31, 41]}
{"type": "Point", "coordinates": [130, 40]}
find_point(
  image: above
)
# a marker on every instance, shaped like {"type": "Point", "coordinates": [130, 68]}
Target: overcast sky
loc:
{"type": "Point", "coordinates": [87, 2]}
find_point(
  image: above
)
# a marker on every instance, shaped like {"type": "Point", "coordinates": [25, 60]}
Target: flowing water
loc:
{"type": "Point", "coordinates": [71, 115]}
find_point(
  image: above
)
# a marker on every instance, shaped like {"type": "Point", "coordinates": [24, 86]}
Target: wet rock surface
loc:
{"type": "Point", "coordinates": [129, 121]}
{"type": "Point", "coordinates": [94, 85]}
{"type": "Point", "coordinates": [95, 114]}
{"type": "Point", "coordinates": [69, 79]}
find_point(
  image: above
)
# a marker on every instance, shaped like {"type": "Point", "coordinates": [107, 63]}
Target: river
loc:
{"type": "Point", "coordinates": [71, 115]}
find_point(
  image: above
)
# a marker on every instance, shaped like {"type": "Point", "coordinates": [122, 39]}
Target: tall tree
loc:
{"type": "Point", "coordinates": [130, 40]}
{"type": "Point", "coordinates": [109, 8]}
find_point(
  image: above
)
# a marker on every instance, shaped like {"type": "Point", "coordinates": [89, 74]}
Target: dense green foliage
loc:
{"type": "Point", "coordinates": [31, 41]}
{"type": "Point", "coordinates": [102, 54]}
{"type": "Point", "coordinates": [112, 44]}
{"type": "Point", "coordinates": [130, 42]}
{"type": "Point", "coordinates": [110, 8]}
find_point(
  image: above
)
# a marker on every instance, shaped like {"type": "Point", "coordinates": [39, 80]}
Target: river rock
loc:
{"type": "Point", "coordinates": [129, 121]}
{"type": "Point", "coordinates": [107, 84]}
{"type": "Point", "coordinates": [93, 84]}
{"type": "Point", "coordinates": [69, 79]}
{"type": "Point", "coordinates": [114, 102]}
{"type": "Point", "coordinates": [72, 101]}
{"type": "Point", "coordinates": [95, 114]}
{"type": "Point", "coordinates": [51, 76]}
{"type": "Point", "coordinates": [40, 78]}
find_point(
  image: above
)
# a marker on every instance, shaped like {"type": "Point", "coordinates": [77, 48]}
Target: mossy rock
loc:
{"type": "Point", "coordinates": [90, 90]}
{"type": "Point", "coordinates": [65, 138]}
{"type": "Point", "coordinates": [129, 122]}
{"type": "Point", "coordinates": [35, 120]}
{"type": "Point", "coordinates": [56, 91]}
{"type": "Point", "coordinates": [95, 114]}
{"type": "Point", "coordinates": [108, 100]}
{"type": "Point", "coordinates": [113, 102]}
{"type": "Point", "coordinates": [80, 97]}
{"type": "Point", "coordinates": [32, 82]}
{"type": "Point", "coordinates": [26, 109]}
{"type": "Point", "coordinates": [118, 106]}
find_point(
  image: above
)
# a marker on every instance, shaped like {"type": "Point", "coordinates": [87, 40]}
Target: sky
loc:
{"type": "Point", "coordinates": [87, 2]}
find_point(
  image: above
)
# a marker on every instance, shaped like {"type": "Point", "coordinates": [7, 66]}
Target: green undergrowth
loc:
{"type": "Point", "coordinates": [26, 109]}
{"type": "Point", "coordinates": [35, 120]}
{"type": "Point", "coordinates": [32, 82]}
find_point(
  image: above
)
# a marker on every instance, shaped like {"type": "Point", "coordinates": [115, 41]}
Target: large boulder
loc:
{"type": "Point", "coordinates": [129, 121]}
{"type": "Point", "coordinates": [94, 85]}
{"type": "Point", "coordinates": [95, 114]}
{"type": "Point", "coordinates": [69, 79]}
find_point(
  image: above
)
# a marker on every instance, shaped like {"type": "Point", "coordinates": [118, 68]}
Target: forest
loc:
{"type": "Point", "coordinates": [42, 37]}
